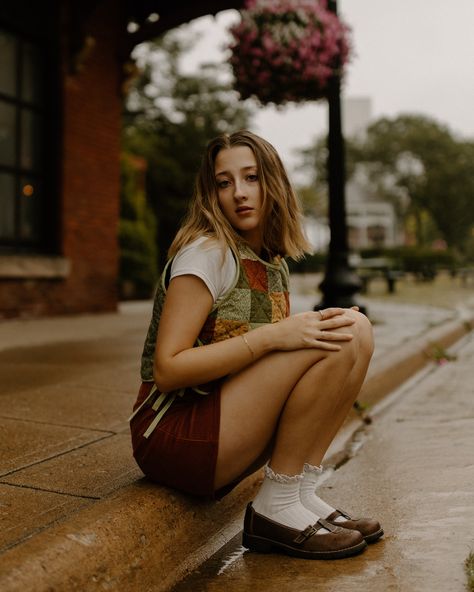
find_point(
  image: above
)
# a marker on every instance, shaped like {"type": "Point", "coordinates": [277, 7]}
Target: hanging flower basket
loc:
{"type": "Point", "coordinates": [287, 50]}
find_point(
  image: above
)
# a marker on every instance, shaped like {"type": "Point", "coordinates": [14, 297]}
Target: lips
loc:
{"type": "Point", "coordinates": [242, 209]}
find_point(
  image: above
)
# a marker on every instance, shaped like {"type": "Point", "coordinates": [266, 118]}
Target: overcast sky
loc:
{"type": "Point", "coordinates": [413, 56]}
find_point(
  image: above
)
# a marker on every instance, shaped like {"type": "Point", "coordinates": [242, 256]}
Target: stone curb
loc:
{"type": "Point", "coordinates": [391, 372]}
{"type": "Point", "coordinates": [404, 362]}
{"type": "Point", "coordinates": [147, 538]}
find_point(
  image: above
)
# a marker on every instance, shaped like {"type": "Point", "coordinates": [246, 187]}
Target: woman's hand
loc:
{"type": "Point", "coordinates": [318, 329]}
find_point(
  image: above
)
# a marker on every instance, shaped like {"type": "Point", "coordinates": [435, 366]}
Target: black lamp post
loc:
{"type": "Point", "coordinates": [340, 283]}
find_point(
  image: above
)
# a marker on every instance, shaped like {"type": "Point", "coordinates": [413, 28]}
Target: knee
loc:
{"type": "Point", "coordinates": [363, 339]}
{"type": "Point", "coordinates": [360, 348]}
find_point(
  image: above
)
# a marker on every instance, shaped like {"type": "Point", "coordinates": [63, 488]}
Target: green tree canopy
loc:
{"type": "Point", "coordinates": [169, 119]}
{"type": "Point", "coordinates": [417, 164]}
{"type": "Point", "coordinates": [313, 162]}
{"type": "Point", "coordinates": [137, 230]}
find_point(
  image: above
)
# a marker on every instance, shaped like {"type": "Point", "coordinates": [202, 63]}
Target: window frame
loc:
{"type": "Point", "coordinates": [47, 108]}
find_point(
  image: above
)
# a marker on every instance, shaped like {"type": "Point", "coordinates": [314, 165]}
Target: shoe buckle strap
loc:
{"type": "Point", "coordinates": [344, 514]}
{"type": "Point", "coordinates": [327, 525]}
{"type": "Point", "coordinates": [305, 534]}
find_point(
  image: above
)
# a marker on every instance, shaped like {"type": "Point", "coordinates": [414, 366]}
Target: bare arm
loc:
{"type": "Point", "coordinates": [188, 302]}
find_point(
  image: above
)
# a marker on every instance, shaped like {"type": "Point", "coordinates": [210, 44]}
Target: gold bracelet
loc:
{"type": "Point", "coordinates": [252, 353]}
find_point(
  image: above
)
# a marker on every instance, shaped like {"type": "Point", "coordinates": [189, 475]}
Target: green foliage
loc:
{"type": "Point", "coordinates": [309, 264]}
{"type": "Point", "coordinates": [313, 162]}
{"type": "Point", "coordinates": [426, 171]}
{"type": "Point", "coordinates": [137, 230]}
{"type": "Point", "coordinates": [439, 354]}
{"type": "Point", "coordinates": [313, 200]}
{"type": "Point", "coordinates": [169, 119]}
{"type": "Point", "coordinates": [421, 261]}
{"type": "Point", "coordinates": [138, 267]}
{"type": "Point", "coordinates": [469, 569]}
{"type": "Point", "coordinates": [416, 164]}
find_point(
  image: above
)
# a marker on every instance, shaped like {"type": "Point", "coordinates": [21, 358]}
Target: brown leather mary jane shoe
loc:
{"type": "Point", "coordinates": [369, 528]}
{"type": "Point", "coordinates": [265, 536]}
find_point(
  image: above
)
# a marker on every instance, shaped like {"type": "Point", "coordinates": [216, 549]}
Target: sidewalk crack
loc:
{"type": "Point", "coordinates": [60, 425]}
{"type": "Point", "coordinates": [57, 455]}
{"type": "Point", "coordinates": [36, 488]}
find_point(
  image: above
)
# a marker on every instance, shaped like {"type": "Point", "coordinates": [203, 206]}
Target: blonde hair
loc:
{"type": "Point", "coordinates": [283, 232]}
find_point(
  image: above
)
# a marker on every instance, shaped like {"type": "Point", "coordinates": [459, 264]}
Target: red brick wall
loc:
{"type": "Point", "coordinates": [89, 189]}
{"type": "Point", "coordinates": [91, 173]}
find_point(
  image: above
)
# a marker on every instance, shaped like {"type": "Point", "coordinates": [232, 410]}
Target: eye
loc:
{"type": "Point", "coordinates": [223, 184]}
{"type": "Point", "coordinates": [252, 178]}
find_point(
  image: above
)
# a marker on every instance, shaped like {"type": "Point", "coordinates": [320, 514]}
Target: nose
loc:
{"type": "Point", "coordinates": [239, 191]}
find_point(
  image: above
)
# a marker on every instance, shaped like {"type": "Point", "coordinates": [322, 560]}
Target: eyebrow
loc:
{"type": "Point", "coordinates": [246, 168]}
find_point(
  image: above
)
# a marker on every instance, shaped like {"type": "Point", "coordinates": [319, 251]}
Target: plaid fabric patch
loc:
{"type": "Point", "coordinates": [256, 273]}
{"type": "Point", "coordinates": [238, 307]}
{"type": "Point", "coordinates": [224, 329]}
{"type": "Point", "coordinates": [279, 306]}
{"type": "Point", "coordinates": [261, 307]}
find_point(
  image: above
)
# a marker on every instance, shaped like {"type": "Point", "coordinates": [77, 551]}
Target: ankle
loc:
{"type": "Point", "coordinates": [308, 496]}
{"type": "Point", "coordinates": [279, 500]}
{"type": "Point", "coordinates": [282, 477]}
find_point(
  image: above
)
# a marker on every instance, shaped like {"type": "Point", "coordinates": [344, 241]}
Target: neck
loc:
{"type": "Point", "coordinates": [255, 243]}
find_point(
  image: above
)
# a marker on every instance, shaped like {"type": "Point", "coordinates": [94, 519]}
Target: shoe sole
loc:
{"type": "Point", "coordinates": [263, 545]}
{"type": "Point", "coordinates": [372, 538]}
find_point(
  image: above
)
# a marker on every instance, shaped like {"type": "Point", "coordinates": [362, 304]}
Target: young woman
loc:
{"type": "Point", "coordinates": [230, 380]}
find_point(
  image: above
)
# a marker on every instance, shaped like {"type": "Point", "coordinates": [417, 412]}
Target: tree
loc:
{"type": "Point", "coordinates": [426, 171]}
{"type": "Point", "coordinates": [137, 230]}
{"type": "Point", "coordinates": [169, 119]}
{"type": "Point", "coordinates": [415, 163]}
{"type": "Point", "coordinates": [313, 162]}
{"type": "Point", "coordinates": [450, 187]}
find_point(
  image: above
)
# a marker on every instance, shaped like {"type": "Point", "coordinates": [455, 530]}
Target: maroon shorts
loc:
{"type": "Point", "coordinates": [181, 452]}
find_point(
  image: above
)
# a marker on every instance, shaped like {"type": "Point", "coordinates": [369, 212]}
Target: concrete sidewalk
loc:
{"type": "Point", "coordinates": [76, 514]}
{"type": "Point", "coordinates": [414, 471]}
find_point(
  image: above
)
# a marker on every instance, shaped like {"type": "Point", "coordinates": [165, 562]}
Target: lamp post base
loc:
{"type": "Point", "coordinates": [340, 286]}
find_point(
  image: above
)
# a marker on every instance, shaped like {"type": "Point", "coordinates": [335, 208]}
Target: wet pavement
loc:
{"type": "Point", "coordinates": [414, 470]}
{"type": "Point", "coordinates": [66, 389]}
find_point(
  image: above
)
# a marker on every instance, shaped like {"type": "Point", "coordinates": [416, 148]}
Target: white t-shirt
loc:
{"type": "Point", "coordinates": [206, 259]}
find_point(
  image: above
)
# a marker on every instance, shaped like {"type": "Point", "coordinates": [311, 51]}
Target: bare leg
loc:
{"type": "Point", "coordinates": [311, 418]}
{"type": "Point", "coordinates": [301, 396]}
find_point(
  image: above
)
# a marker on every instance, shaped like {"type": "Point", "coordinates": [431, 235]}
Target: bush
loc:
{"type": "Point", "coordinates": [309, 264]}
{"type": "Point", "coordinates": [138, 261]}
{"type": "Point", "coordinates": [137, 233]}
{"type": "Point", "coordinates": [421, 261]}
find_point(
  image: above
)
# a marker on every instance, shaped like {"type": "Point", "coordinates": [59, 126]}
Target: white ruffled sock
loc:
{"type": "Point", "coordinates": [279, 500]}
{"type": "Point", "coordinates": [308, 497]}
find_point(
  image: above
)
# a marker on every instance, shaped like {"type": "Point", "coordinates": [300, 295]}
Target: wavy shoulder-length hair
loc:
{"type": "Point", "coordinates": [283, 232]}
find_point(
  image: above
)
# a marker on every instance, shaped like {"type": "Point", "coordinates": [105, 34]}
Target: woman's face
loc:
{"type": "Point", "coordinates": [239, 192]}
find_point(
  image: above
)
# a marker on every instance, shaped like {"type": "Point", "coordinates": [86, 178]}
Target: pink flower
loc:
{"type": "Point", "coordinates": [287, 50]}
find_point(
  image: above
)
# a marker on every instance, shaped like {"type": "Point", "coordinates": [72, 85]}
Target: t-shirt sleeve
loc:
{"type": "Point", "coordinates": [207, 260]}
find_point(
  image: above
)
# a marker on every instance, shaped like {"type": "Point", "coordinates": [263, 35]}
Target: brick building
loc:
{"type": "Point", "coordinates": [63, 67]}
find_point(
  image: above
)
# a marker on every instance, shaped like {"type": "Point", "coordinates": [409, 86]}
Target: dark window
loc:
{"type": "Point", "coordinates": [25, 200]}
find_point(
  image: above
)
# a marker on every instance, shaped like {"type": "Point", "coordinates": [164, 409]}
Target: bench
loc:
{"type": "Point", "coordinates": [370, 269]}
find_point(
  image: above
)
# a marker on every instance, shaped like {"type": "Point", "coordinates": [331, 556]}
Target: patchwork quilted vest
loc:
{"type": "Point", "coordinates": [259, 295]}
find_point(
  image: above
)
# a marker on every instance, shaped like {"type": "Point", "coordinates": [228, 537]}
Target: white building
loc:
{"type": "Point", "coordinates": [371, 222]}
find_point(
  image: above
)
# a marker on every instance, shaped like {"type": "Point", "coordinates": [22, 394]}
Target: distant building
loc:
{"type": "Point", "coordinates": [371, 222]}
